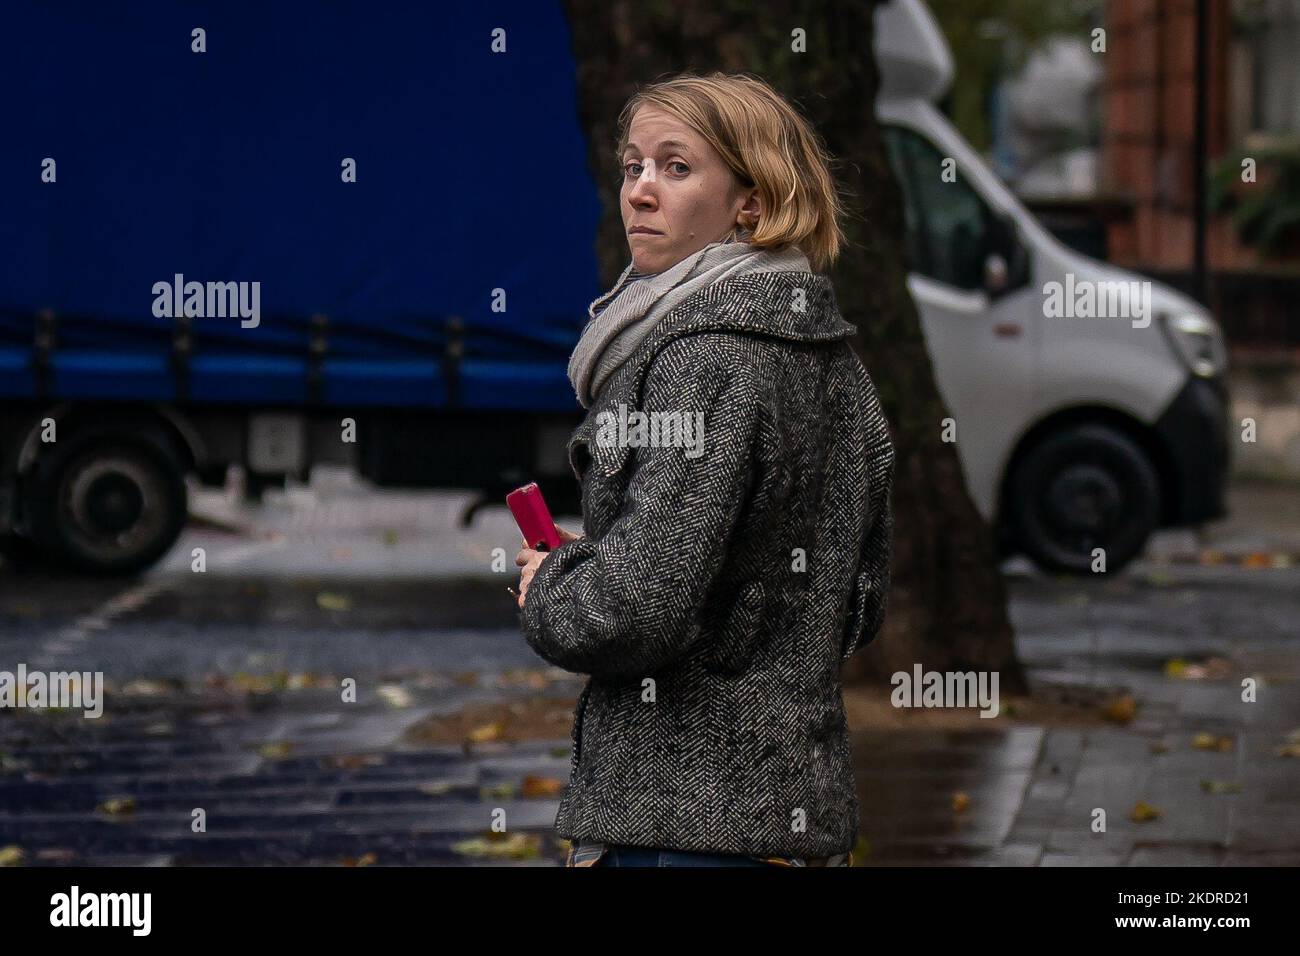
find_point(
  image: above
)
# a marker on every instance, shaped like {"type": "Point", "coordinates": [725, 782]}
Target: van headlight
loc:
{"type": "Point", "coordinates": [1197, 341]}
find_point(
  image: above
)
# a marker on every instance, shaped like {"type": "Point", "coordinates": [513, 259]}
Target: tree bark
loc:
{"type": "Point", "coordinates": [947, 604]}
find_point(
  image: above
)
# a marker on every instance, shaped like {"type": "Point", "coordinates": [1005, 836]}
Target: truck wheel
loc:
{"type": "Point", "coordinates": [108, 501]}
{"type": "Point", "coordinates": [1084, 487]}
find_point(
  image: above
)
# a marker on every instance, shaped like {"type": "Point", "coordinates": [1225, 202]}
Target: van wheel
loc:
{"type": "Point", "coordinates": [1084, 487]}
{"type": "Point", "coordinates": [110, 501]}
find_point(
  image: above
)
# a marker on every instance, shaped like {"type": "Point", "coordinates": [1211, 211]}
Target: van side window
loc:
{"type": "Point", "coordinates": [947, 222]}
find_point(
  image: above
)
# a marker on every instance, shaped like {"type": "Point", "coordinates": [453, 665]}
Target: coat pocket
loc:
{"type": "Point", "coordinates": [733, 645]}
{"type": "Point", "coordinates": [860, 602]}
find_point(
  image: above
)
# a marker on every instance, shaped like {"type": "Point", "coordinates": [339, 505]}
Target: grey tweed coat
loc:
{"type": "Point", "coordinates": [714, 596]}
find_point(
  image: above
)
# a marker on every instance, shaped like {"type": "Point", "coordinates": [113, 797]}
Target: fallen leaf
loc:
{"type": "Point", "coordinates": [1206, 741]}
{"type": "Point", "coordinates": [1159, 747]}
{"type": "Point", "coordinates": [277, 750]}
{"type": "Point", "coordinates": [1122, 710]}
{"type": "Point", "coordinates": [56, 854]}
{"type": "Point", "coordinates": [960, 801]}
{"type": "Point", "coordinates": [497, 791]}
{"type": "Point", "coordinates": [1220, 786]}
{"type": "Point", "coordinates": [117, 806]}
{"type": "Point", "coordinates": [436, 788]}
{"type": "Point", "coordinates": [355, 761]}
{"type": "Point", "coordinates": [390, 537]}
{"type": "Point", "coordinates": [145, 688]}
{"type": "Point", "coordinates": [341, 553]}
{"type": "Point", "coordinates": [12, 856]}
{"type": "Point", "coordinates": [487, 733]}
{"type": "Point", "coordinates": [329, 601]}
{"type": "Point", "coordinates": [1290, 750]}
{"type": "Point", "coordinates": [395, 695]}
{"type": "Point", "coordinates": [535, 786]}
{"type": "Point", "coordinates": [1144, 812]}
{"type": "Point", "coordinates": [1175, 667]}
{"type": "Point", "coordinates": [1257, 559]}
{"type": "Point", "coordinates": [514, 846]}
{"type": "Point", "coordinates": [364, 860]}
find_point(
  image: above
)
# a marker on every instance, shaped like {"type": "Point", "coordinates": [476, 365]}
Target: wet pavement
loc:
{"type": "Point", "coordinates": [225, 696]}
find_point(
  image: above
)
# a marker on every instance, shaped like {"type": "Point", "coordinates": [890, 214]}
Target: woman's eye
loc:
{"type": "Point", "coordinates": [632, 169]}
{"type": "Point", "coordinates": [684, 168]}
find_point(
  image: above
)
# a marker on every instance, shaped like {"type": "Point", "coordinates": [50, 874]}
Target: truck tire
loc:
{"type": "Point", "coordinates": [1086, 486]}
{"type": "Point", "coordinates": [108, 501]}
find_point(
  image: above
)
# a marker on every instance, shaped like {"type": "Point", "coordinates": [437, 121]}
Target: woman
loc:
{"type": "Point", "coordinates": [736, 472]}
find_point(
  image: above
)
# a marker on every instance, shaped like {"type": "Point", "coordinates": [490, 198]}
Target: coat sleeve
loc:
{"type": "Point", "coordinates": [871, 579]}
{"type": "Point", "coordinates": [624, 606]}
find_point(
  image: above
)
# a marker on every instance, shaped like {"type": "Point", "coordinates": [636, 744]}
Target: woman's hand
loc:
{"type": "Point", "coordinates": [529, 560]}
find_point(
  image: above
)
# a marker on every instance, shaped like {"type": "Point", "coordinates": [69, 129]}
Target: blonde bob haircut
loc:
{"type": "Point", "coordinates": [767, 144]}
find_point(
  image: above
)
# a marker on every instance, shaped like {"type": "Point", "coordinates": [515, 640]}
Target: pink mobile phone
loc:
{"type": "Point", "coordinates": [533, 517]}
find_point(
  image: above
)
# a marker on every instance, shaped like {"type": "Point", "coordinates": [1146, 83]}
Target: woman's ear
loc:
{"type": "Point", "coordinates": [751, 210]}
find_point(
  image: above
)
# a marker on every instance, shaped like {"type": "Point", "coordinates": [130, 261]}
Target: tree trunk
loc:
{"type": "Point", "coordinates": [947, 605]}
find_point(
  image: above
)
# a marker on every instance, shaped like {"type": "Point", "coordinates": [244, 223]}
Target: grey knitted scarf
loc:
{"type": "Point", "coordinates": [620, 319]}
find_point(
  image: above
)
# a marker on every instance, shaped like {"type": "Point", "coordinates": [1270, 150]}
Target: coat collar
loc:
{"type": "Point", "coordinates": [764, 304]}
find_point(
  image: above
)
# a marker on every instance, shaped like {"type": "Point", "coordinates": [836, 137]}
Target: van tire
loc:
{"type": "Point", "coordinates": [108, 500]}
{"type": "Point", "coordinates": [1083, 487]}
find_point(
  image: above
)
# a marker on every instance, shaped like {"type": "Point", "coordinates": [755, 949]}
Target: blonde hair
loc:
{"type": "Point", "coordinates": [767, 144]}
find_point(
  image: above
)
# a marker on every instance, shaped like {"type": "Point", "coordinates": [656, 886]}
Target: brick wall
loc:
{"type": "Point", "coordinates": [1147, 148]}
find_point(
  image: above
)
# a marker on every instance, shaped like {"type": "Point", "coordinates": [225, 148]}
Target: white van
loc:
{"type": "Point", "coordinates": [1089, 403]}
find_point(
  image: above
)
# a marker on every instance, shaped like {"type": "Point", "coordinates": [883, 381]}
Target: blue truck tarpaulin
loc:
{"type": "Point", "coordinates": [226, 166]}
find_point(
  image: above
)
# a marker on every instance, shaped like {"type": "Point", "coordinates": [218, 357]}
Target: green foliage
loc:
{"type": "Point", "coordinates": [1266, 212]}
{"type": "Point", "coordinates": [991, 38]}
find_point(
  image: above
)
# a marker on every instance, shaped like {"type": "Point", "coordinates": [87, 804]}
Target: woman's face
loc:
{"type": "Point", "coordinates": [677, 195]}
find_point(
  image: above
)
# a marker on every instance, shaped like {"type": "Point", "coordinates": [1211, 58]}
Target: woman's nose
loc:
{"type": "Point", "coordinates": [643, 193]}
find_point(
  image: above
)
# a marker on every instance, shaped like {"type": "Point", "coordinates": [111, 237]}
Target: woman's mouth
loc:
{"type": "Point", "coordinates": [643, 231]}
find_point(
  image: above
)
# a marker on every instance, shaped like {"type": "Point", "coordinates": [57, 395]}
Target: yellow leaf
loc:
{"type": "Point", "coordinates": [960, 801]}
{"type": "Point", "coordinates": [117, 806]}
{"type": "Point", "coordinates": [11, 856]}
{"type": "Point", "coordinates": [395, 695]}
{"type": "Point", "coordinates": [329, 601]}
{"type": "Point", "coordinates": [497, 791]}
{"type": "Point", "coordinates": [276, 750]}
{"type": "Point", "coordinates": [1205, 741]}
{"type": "Point", "coordinates": [1220, 786]}
{"type": "Point", "coordinates": [515, 846]}
{"type": "Point", "coordinates": [1144, 812]}
{"type": "Point", "coordinates": [1175, 667]}
{"type": "Point", "coordinates": [487, 732]}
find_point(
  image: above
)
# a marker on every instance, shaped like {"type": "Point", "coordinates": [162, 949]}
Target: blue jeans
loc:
{"type": "Point", "coordinates": [622, 855]}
